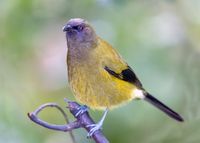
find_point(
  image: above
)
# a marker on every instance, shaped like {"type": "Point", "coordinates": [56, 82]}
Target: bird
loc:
{"type": "Point", "coordinates": [98, 75]}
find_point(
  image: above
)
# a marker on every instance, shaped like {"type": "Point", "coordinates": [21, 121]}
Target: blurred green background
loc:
{"type": "Point", "coordinates": [160, 39]}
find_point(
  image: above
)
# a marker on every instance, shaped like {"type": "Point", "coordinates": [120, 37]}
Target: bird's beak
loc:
{"type": "Point", "coordinates": [66, 28]}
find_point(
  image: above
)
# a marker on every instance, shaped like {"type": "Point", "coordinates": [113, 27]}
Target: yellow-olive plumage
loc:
{"type": "Point", "coordinates": [92, 84]}
{"type": "Point", "coordinates": [98, 75]}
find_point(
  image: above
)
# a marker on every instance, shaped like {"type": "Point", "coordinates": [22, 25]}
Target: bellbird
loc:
{"type": "Point", "coordinates": [98, 76]}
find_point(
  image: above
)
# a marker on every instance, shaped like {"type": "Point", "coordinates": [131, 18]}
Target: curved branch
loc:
{"type": "Point", "coordinates": [82, 121]}
{"type": "Point", "coordinates": [68, 127]}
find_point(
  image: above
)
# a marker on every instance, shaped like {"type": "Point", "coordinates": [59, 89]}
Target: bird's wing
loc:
{"type": "Point", "coordinates": [127, 75]}
{"type": "Point", "coordinates": [114, 64]}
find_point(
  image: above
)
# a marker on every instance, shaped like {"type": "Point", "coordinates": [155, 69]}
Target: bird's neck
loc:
{"type": "Point", "coordinates": [80, 51]}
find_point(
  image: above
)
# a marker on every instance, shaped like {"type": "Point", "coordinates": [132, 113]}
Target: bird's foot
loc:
{"type": "Point", "coordinates": [82, 109]}
{"type": "Point", "coordinates": [98, 126]}
{"type": "Point", "coordinates": [94, 128]}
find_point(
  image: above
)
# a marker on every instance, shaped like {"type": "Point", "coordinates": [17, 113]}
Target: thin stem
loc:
{"type": "Point", "coordinates": [82, 121]}
{"type": "Point", "coordinates": [52, 126]}
{"type": "Point", "coordinates": [64, 128]}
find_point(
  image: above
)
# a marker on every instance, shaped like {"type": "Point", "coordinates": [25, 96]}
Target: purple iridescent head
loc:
{"type": "Point", "coordinates": [78, 31]}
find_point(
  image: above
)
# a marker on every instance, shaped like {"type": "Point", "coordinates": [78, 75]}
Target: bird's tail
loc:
{"type": "Point", "coordinates": [149, 98]}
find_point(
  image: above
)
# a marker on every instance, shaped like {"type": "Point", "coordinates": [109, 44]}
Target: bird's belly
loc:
{"type": "Point", "coordinates": [100, 90]}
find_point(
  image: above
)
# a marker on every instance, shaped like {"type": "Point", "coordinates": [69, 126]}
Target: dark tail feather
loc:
{"type": "Point", "coordinates": [149, 98]}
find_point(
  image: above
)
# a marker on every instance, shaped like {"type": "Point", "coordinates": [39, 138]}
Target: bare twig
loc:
{"type": "Point", "coordinates": [33, 117]}
{"type": "Point", "coordinates": [83, 120]}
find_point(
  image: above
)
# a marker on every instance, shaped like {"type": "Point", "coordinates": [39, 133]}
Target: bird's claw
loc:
{"type": "Point", "coordinates": [82, 109]}
{"type": "Point", "coordinates": [94, 128]}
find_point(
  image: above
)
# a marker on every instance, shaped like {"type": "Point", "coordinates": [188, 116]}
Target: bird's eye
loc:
{"type": "Point", "coordinates": [79, 27]}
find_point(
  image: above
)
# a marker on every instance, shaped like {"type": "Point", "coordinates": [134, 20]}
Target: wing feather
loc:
{"type": "Point", "coordinates": [127, 75]}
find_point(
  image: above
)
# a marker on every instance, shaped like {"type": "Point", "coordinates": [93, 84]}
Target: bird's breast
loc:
{"type": "Point", "coordinates": [93, 86]}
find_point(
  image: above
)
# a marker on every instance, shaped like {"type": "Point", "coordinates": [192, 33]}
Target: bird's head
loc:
{"type": "Point", "coordinates": [79, 32]}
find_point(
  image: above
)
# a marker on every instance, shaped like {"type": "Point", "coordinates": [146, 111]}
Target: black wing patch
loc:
{"type": "Point", "coordinates": [126, 75]}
